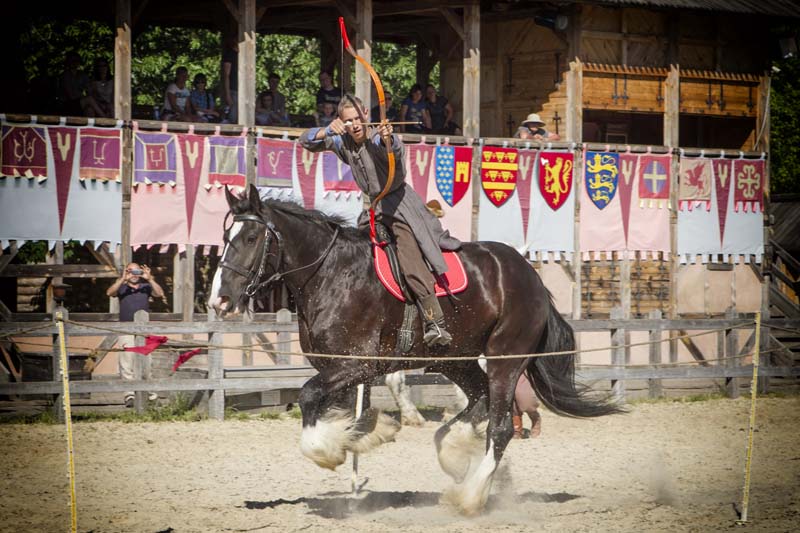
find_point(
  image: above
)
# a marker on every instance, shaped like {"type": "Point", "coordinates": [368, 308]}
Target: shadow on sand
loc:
{"type": "Point", "coordinates": [341, 505]}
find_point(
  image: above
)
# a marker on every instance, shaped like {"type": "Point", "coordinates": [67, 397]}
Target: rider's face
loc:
{"type": "Point", "coordinates": [356, 129]}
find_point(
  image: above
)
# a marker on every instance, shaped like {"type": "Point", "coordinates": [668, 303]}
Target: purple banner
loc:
{"type": "Point", "coordinates": [154, 158]}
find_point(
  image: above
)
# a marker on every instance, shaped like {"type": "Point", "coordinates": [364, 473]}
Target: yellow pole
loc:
{"type": "Point", "coordinates": [67, 421]}
{"type": "Point", "coordinates": [753, 394]}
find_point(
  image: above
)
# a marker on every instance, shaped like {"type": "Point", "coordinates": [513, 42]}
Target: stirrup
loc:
{"type": "Point", "coordinates": [436, 336]}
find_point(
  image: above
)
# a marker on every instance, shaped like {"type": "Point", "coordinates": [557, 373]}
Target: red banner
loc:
{"type": "Point", "coordinates": [63, 141]}
{"type": "Point", "coordinates": [654, 175]}
{"type": "Point", "coordinates": [555, 177]}
{"type": "Point", "coordinates": [749, 184]}
{"type": "Point", "coordinates": [627, 167]}
{"type": "Point", "coordinates": [420, 158]}
{"type": "Point", "coordinates": [193, 153]}
{"type": "Point", "coordinates": [306, 163]}
{"type": "Point", "coordinates": [723, 172]}
{"type": "Point", "coordinates": [100, 154]}
{"type": "Point", "coordinates": [24, 152]}
{"type": "Point", "coordinates": [499, 169]}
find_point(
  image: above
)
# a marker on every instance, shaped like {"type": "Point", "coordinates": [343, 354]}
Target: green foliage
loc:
{"type": "Point", "coordinates": [36, 252]}
{"type": "Point", "coordinates": [785, 127]}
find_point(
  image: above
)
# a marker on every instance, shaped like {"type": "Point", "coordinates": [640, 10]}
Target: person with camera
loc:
{"type": "Point", "coordinates": [133, 289]}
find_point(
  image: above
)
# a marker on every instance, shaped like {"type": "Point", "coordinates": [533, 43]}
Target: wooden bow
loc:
{"type": "Point", "coordinates": [387, 139]}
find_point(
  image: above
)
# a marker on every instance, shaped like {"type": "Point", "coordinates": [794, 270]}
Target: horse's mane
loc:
{"type": "Point", "coordinates": [317, 217]}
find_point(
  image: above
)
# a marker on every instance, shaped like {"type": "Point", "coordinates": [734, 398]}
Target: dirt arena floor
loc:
{"type": "Point", "coordinates": [662, 467]}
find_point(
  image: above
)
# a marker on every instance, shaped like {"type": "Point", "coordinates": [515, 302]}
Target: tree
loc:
{"type": "Point", "coordinates": [785, 127]}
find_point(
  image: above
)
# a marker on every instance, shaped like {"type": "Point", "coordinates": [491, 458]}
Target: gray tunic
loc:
{"type": "Point", "coordinates": [370, 167]}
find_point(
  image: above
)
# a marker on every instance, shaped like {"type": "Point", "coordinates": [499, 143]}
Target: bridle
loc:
{"type": "Point", "coordinates": [257, 271]}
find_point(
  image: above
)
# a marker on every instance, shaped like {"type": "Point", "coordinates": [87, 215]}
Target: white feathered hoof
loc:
{"type": "Point", "coordinates": [327, 441]}
{"type": "Point", "coordinates": [461, 450]}
{"type": "Point", "coordinates": [386, 428]}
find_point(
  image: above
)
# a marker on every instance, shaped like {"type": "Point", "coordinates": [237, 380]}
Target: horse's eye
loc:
{"type": "Point", "coordinates": [251, 239]}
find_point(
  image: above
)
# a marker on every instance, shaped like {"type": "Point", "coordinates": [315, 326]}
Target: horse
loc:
{"type": "Point", "coordinates": [343, 309]}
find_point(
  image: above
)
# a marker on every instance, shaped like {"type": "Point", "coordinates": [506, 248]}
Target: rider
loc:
{"type": "Point", "coordinates": [419, 235]}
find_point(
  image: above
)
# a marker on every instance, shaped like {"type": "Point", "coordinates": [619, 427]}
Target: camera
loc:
{"type": "Point", "coordinates": [136, 271]}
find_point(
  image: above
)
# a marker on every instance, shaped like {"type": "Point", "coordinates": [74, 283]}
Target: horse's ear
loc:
{"type": "Point", "coordinates": [255, 199]}
{"type": "Point", "coordinates": [230, 197]}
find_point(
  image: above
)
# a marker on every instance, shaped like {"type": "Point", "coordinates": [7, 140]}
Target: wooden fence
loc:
{"type": "Point", "coordinates": [727, 365]}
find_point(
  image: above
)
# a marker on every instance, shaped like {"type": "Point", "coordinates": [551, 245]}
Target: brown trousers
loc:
{"type": "Point", "coordinates": [412, 263]}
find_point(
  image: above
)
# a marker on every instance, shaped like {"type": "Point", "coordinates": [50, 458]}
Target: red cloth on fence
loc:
{"type": "Point", "coordinates": [151, 342]}
{"type": "Point", "coordinates": [185, 356]}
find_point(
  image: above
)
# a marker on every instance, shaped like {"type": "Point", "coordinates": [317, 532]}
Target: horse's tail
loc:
{"type": "Point", "coordinates": [553, 376]}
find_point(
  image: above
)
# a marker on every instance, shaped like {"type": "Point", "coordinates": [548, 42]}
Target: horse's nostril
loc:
{"type": "Point", "coordinates": [223, 302]}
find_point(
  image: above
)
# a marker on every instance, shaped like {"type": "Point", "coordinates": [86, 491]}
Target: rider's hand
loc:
{"type": "Point", "coordinates": [335, 128]}
{"type": "Point", "coordinates": [385, 129]}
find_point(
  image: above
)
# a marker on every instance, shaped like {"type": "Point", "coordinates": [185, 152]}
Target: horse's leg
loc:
{"type": "Point", "coordinates": [409, 415]}
{"type": "Point", "coordinates": [461, 440]}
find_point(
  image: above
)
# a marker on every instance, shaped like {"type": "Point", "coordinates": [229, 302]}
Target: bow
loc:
{"type": "Point", "coordinates": [387, 140]}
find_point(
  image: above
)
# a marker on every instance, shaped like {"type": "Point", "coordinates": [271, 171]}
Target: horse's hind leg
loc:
{"type": "Point", "coordinates": [409, 415]}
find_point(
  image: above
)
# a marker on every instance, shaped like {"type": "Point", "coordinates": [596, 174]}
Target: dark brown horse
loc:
{"type": "Point", "coordinates": [343, 309]}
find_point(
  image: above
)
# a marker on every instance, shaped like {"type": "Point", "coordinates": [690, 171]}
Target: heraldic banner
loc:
{"type": "Point", "coordinates": [601, 228]}
{"type": "Point", "coordinates": [449, 184]}
{"type": "Point", "coordinates": [552, 226]}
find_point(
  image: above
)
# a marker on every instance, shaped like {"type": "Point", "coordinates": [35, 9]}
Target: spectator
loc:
{"type": "Point", "coordinates": [441, 113]}
{"type": "Point", "coordinates": [177, 99]}
{"type": "Point", "coordinates": [100, 99]}
{"type": "Point", "coordinates": [265, 116]}
{"type": "Point", "coordinates": [327, 92]}
{"type": "Point", "coordinates": [414, 109]}
{"type": "Point", "coordinates": [230, 80]}
{"type": "Point", "coordinates": [74, 84]}
{"type": "Point", "coordinates": [533, 129]}
{"type": "Point", "coordinates": [278, 99]}
{"type": "Point", "coordinates": [391, 111]}
{"type": "Point", "coordinates": [133, 289]}
{"type": "Point", "coordinates": [327, 115]}
{"type": "Point", "coordinates": [203, 101]}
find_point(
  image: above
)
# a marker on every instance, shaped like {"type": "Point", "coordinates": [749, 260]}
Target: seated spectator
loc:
{"type": "Point", "coordinates": [100, 99]}
{"type": "Point", "coordinates": [177, 99]}
{"type": "Point", "coordinates": [327, 92]}
{"type": "Point", "coordinates": [74, 85]}
{"type": "Point", "coordinates": [391, 111]}
{"type": "Point", "coordinates": [265, 116]}
{"type": "Point", "coordinates": [203, 100]}
{"type": "Point", "coordinates": [414, 109]}
{"type": "Point", "coordinates": [533, 129]}
{"type": "Point", "coordinates": [327, 116]}
{"type": "Point", "coordinates": [441, 113]}
{"type": "Point", "coordinates": [278, 99]}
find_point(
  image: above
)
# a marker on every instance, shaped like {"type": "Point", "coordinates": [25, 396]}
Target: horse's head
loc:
{"type": "Point", "coordinates": [245, 256]}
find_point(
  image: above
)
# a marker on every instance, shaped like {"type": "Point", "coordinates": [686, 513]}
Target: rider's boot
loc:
{"type": "Point", "coordinates": [433, 318]}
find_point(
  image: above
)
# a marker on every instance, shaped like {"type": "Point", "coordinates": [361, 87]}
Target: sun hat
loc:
{"type": "Point", "coordinates": [533, 118]}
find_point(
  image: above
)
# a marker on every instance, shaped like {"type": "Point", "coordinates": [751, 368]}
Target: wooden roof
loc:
{"type": "Point", "coordinates": [783, 8]}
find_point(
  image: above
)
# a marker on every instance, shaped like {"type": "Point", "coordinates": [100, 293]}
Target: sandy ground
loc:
{"type": "Point", "coordinates": [662, 467]}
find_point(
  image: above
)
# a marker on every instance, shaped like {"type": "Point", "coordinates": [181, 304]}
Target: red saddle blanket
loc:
{"type": "Point", "coordinates": [455, 277]}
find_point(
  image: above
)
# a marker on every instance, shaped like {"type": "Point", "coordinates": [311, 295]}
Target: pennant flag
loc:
{"type": "Point", "coordinates": [193, 151]}
{"type": "Point", "coordinates": [499, 169]}
{"type": "Point", "coordinates": [527, 173]}
{"type": "Point", "coordinates": [336, 176]}
{"type": "Point", "coordinates": [453, 167]}
{"type": "Point", "coordinates": [24, 152]}
{"type": "Point", "coordinates": [100, 154]}
{"type": "Point", "coordinates": [628, 168]}
{"type": "Point", "coordinates": [602, 177]}
{"type": "Point", "coordinates": [420, 157]}
{"type": "Point", "coordinates": [63, 142]}
{"type": "Point", "coordinates": [654, 176]}
{"type": "Point", "coordinates": [151, 342]}
{"type": "Point", "coordinates": [749, 188]}
{"type": "Point", "coordinates": [723, 170]}
{"type": "Point", "coordinates": [274, 163]}
{"type": "Point", "coordinates": [227, 161]}
{"type": "Point", "coordinates": [695, 183]}
{"type": "Point", "coordinates": [555, 177]}
{"type": "Point", "coordinates": [154, 158]}
{"type": "Point", "coordinates": [306, 164]}
{"type": "Point", "coordinates": [185, 356]}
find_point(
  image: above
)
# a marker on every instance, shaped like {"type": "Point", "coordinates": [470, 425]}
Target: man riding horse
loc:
{"type": "Point", "coordinates": [418, 233]}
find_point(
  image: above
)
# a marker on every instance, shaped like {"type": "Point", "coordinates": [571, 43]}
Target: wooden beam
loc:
{"type": "Point", "coordinates": [122, 60]}
{"type": "Point", "coordinates": [58, 270]}
{"type": "Point", "coordinates": [247, 62]}
{"type": "Point", "coordinates": [575, 102]}
{"type": "Point", "coordinates": [233, 10]}
{"type": "Point", "coordinates": [10, 364]}
{"type": "Point", "coordinates": [125, 252]}
{"type": "Point", "coordinates": [471, 104]}
{"type": "Point", "coordinates": [353, 19]}
{"type": "Point", "coordinates": [102, 349]}
{"type": "Point", "coordinates": [693, 349]}
{"type": "Point", "coordinates": [138, 13]}
{"type": "Point", "coordinates": [454, 22]}
{"type": "Point", "coordinates": [5, 312]}
{"type": "Point", "coordinates": [672, 93]}
{"type": "Point", "coordinates": [5, 259]}
{"type": "Point", "coordinates": [363, 45]}
{"type": "Point", "coordinates": [655, 387]}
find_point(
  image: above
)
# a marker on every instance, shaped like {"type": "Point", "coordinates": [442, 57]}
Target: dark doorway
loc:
{"type": "Point", "coordinates": [735, 133]}
{"type": "Point", "coordinates": [623, 128]}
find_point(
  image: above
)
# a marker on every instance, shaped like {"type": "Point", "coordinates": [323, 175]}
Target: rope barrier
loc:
{"type": "Point", "coordinates": [25, 331]}
{"type": "Point", "coordinates": [65, 400]}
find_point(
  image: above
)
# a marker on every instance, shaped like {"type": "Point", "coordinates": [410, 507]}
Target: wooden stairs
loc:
{"type": "Point", "coordinates": [784, 292]}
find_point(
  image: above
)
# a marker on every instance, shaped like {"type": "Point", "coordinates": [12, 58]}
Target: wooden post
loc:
{"type": "Point", "coordinates": [127, 180]}
{"type": "Point", "coordinates": [471, 105]}
{"type": "Point", "coordinates": [216, 370]}
{"type": "Point", "coordinates": [731, 350]}
{"type": "Point", "coordinates": [476, 190]}
{"type": "Point", "coordinates": [364, 49]}
{"type": "Point", "coordinates": [577, 261]}
{"type": "Point", "coordinates": [617, 354]}
{"type": "Point", "coordinates": [57, 258]}
{"type": "Point", "coordinates": [58, 398]}
{"type": "Point", "coordinates": [655, 388]}
{"type": "Point", "coordinates": [247, 63]}
{"type": "Point", "coordinates": [284, 316]}
{"type": "Point", "coordinates": [247, 338]}
{"type": "Point", "coordinates": [673, 258]}
{"type": "Point", "coordinates": [140, 397]}
{"type": "Point", "coordinates": [672, 92]}
{"type": "Point", "coordinates": [762, 143]}
{"type": "Point", "coordinates": [122, 61]}
{"type": "Point", "coordinates": [575, 102]}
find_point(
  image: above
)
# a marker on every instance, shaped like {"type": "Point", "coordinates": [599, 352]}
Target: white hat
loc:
{"type": "Point", "coordinates": [533, 118]}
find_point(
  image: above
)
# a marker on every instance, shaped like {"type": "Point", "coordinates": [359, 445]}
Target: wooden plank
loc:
{"type": "Point", "coordinates": [125, 252]}
{"type": "Point", "coordinates": [284, 338]}
{"type": "Point", "coordinates": [216, 371]}
{"type": "Point", "coordinates": [102, 349]}
{"type": "Point", "coordinates": [575, 102]}
{"type": "Point", "coordinates": [655, 386]}
{"type": "Point", "coordinates": [693, 349]}
{"type": "Point", "coordinates": [5, 259]}
{"type": "Point", "coordinates": [140, 396]}
{"type": "Point", "coordinates": [59, 270]}
{"type": "Point", "coordinates": [122, 60]}
{"type": "Point", "coordinates": [247, 62]}
{"type": "Point", "coordinates": [58, 400]}
{"type": "Point", "coordinates": [471, 104]}
{"type": "Point", "coordinates": [672, 94]}
{"type": "Point", "coordinates": [452, 19]}
{"type": "Point", "coordinates": [617, 354]}
{"type": "Point", "coordinates": [731, 351]}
